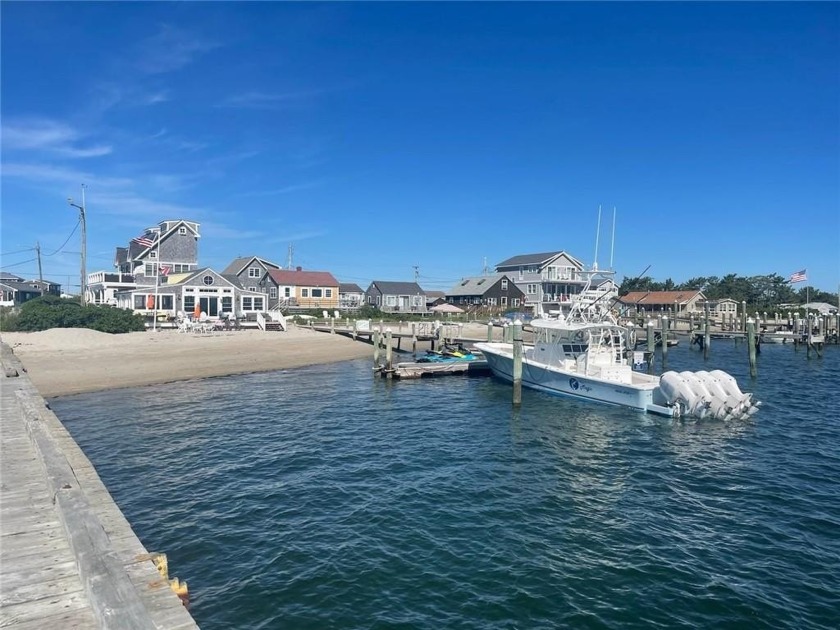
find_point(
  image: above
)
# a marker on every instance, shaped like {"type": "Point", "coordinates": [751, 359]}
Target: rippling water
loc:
{"type": "Point", "coordinates": [324, 498]}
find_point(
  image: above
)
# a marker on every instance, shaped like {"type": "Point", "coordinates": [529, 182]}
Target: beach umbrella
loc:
{"type": "Point", "coordinates": [150, 302]}
{"type": "Point", "coordinates": [197, 310]}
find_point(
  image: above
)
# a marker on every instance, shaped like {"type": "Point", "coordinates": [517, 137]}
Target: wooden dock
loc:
{"type": "Point", "coordinates": [68, 556]}
{"type": "Point", "coordinates": [417, 369]}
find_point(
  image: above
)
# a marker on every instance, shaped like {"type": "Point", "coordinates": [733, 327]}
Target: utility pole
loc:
{"type": "Point", "coordinates": [416, 273]}
{"type": "Point", "coordinates": [289, 266]}
{"type": "Point", "coordinates": [40, 273]}
{"type": "Point", "coordinates": [82, 220]}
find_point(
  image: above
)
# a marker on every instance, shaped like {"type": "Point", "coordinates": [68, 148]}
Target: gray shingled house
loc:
{"type": "Point", "coordinates": [396, 297]}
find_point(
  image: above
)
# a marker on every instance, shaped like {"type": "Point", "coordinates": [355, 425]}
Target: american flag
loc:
{"type": "Point", "coordinates": [798, 276]}
{"type": "Point", "coordinates": [144, 240]}
{"type": "Point", "coordinates": [165, 270]}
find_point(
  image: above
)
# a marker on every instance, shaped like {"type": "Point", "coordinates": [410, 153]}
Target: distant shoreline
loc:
{"type": "Point", "coordinates": [67, 361]}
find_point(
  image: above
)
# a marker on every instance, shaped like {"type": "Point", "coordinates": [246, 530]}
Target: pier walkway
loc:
{"type": "Point", "coordinates": [68, 557]}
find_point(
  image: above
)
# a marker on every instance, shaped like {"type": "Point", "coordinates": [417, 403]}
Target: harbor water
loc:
{"type": "Point", "coordinates": [323, 497]}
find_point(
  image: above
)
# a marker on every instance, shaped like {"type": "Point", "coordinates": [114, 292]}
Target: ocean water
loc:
{"type": "Point", "coordinates": [323, 497]}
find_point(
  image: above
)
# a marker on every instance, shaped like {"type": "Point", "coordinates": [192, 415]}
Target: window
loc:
{"type": "Point", "coordinates": [272, 292]}
{"type": "Point", "coordinates": [415, 300]}
{"type": "Point", "coordinates": [253, 303]}
{"type": "Point", "coordinates": [390, 300]}
{"type": "Point", "coordinates": [531, 289]}
{"type": "Point", "coordinates": [287, 292]}
{"type": "Point", "coordinates": [328, 293]}
{"type": "Point", "coordinates": [316, 293]}
{"type": "Point", "coordinates": [252, 289]}
{"type": "Point", "coordinates": [504, 284]}
{"type": "Point", "coordinates": [149, 269]}
{"type": "Point", "coordinates": [253, 272]}
{"type": "Point", "coordinates": [504, 300]}
{"type": "Point", "coordinates": [304, 293]}
{"type": "Point", "coordinates": [208, 280]}
{"type": "Point", "coordinates": [153, 254]}
{"type": "Point", "coordinates": [182, 231]}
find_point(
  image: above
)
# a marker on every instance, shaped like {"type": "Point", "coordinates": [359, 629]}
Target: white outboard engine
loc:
{"type": "Point", "coordinates": [702, 394]}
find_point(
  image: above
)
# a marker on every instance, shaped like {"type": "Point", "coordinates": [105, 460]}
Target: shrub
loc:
{"type": "Point", "coordinates": [50, 311]}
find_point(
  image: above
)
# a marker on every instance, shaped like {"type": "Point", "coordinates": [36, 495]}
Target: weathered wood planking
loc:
{"type": "Point", "coordinates": [68, 557]}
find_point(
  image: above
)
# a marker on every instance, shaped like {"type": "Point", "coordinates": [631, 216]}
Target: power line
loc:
{"type": "Point", "coordinates": [20, 251]}
{"type": "Point", "coordinates": [67, 239]}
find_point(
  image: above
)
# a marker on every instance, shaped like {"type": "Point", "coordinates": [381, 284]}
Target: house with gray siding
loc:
{"type": "Point", "coordinates": [350, 296]}
{"type": "Point", "coordinates": [215, 294]}
{"type": "Point", "coordinates": [393, 297]}
{"type": "Point", "coordinates": [491, 291]}
{"type": "Point", "coordinates": [171, 247]}
{"type": "Point", "coordinates": [251, 273]}
{"type": "Point", "coordinates": [547, 279]}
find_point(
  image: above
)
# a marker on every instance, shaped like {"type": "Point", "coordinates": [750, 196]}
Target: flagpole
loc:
{"type": "Point", "coordinates": [157, 283]}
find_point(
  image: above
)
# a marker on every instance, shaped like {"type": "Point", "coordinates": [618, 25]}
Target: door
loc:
{"type": "Point", "coordinates": [209, 305]}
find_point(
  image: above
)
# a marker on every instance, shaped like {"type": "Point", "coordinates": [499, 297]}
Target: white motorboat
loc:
{"type": "Point", "coordinates": [584, 355]}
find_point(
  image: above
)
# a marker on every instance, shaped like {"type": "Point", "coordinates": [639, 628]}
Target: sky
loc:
{"type": "Point", "coordinates": [394, 141]}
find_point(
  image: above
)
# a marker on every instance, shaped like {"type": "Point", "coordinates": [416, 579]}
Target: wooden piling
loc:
{"type": "Point", "coordinates": [389, 353]}
{"type": "Point", "coordinates": [517, 362]}
{"type": "Point", "coordinates": [664, 333]}
{"type": "Point", "coordinates": [651, 345]}
{"type": "Point", "coordinates": [332, 325]}
{"type": "Point", "coordinates": [707, 337]}
{"type": "Point", "coordinates": [751, 345]}
{"type": "Point", "coordinates": [489, 332]}
{"type": "Point", "coordinates": [413, 338]}
{"type": "Point", "coordinates": [375, 349]}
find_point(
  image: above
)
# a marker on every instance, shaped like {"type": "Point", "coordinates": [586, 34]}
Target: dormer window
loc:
{"type": "Point", "coordinates": [182, 231]}
{"type": "Point", "coordinates": [253, 272]}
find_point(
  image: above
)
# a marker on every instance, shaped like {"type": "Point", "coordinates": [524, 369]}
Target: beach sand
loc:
{"type": "Point", "coordinates": [63, 361]}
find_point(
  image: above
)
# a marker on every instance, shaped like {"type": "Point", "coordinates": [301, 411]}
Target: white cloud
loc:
{"type": "Point", "coordinates": [264, 100]}
{"type": "Point", "coordinates": [171, 49]}
{"type": "Point", "coordinates": [49, 174]}
{"type": "Point", "coordinates": [49, 135]}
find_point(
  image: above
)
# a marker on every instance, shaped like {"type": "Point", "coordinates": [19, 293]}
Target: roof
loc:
{"type": "Point", "coordinates": [242, 262]}
{"type": "Point", "coordinates": [435, 294]}
{"type": "Point", "coordinates": [303, 278]}
{"type": "Point", "coordinates": [5, 275]}
{"type": "Point", "coordinates": [387, 287]}
{"type": "Point", "coordinates": [477, 285]}
{"type": "Point", "coordinates": [349, 287]}
{"type": "Point", "coordinates": [528, 259]}
{"type": "Point", "coordinates": [659, 297]}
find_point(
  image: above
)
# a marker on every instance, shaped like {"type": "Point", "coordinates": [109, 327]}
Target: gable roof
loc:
{"type": "Point", "coordinates": [397, 288]}
{"type": "Point", "coordinates": [349, 287]}
{"type": "Point", "coordinates": [5, 275]}
{"type": "Point", "coordinates": [528, 259]}
{"type": "Point", "coordinates": [240, 264]}
{"type": "Point", "coordinates": [135, 249]}
{"type": "Point", "coordinates": [537, 259]}
{"type": "Point", "coordinates": [659, 297]}
{"type": "Point", "coordinates": [189, 276]}
{"type": "Point", "coordinates": [477, 285]}
{"type": "Point", "coordinates": [298, 277]}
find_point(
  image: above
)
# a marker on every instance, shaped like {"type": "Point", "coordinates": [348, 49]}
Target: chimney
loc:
{"type": "Point", "coordinates": [298, 268]}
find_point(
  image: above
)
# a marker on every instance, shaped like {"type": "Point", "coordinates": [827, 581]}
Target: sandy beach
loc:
{"type": "Point", "coordinates": [64, 361]}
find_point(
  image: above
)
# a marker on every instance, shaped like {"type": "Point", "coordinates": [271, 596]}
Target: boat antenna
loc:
{"type": "Point", "coordinates": [597, 234]}
{"type": "Point", "coordinates": [612, 245]}
{"type": "Point", "coordinates": [603, 295]}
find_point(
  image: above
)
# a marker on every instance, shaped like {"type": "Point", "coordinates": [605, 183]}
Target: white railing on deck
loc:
{"type": "Point", "coordinates": [261, 321]}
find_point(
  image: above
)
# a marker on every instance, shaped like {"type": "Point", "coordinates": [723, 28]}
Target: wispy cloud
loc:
{"type": "Point", "coordinates": [265, 100]}
{"type": "Point", "coordinates": [140, 207]}
{"type": "Point", "coordinates": [284, 190]}
{"type": "Point", "coordinates": [50, 174]}
{"type": "Point", "coordinates": [171, 49]}
{"type": "Point", "coordinates": [49, 135]}
{"type": "Point", "coordinates": [221, 231]}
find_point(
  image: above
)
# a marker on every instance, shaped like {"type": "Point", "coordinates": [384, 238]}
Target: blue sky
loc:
{"type": "Point", "coordinates": [376, 137]}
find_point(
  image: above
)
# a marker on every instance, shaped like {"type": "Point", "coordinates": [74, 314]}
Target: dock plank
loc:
{"type": "Point", "coordinates": [65, 547]}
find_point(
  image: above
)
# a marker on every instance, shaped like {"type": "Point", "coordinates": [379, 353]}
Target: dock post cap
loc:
{"type": "Point", "coordinates": [517, 322]}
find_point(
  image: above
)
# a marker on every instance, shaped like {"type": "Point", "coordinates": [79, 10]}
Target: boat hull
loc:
{"type": "Point", "coordinates": [550, 379]}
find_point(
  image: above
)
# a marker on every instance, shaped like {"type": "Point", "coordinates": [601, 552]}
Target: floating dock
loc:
{"type": "Point", "coordinates": [421, 369]}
